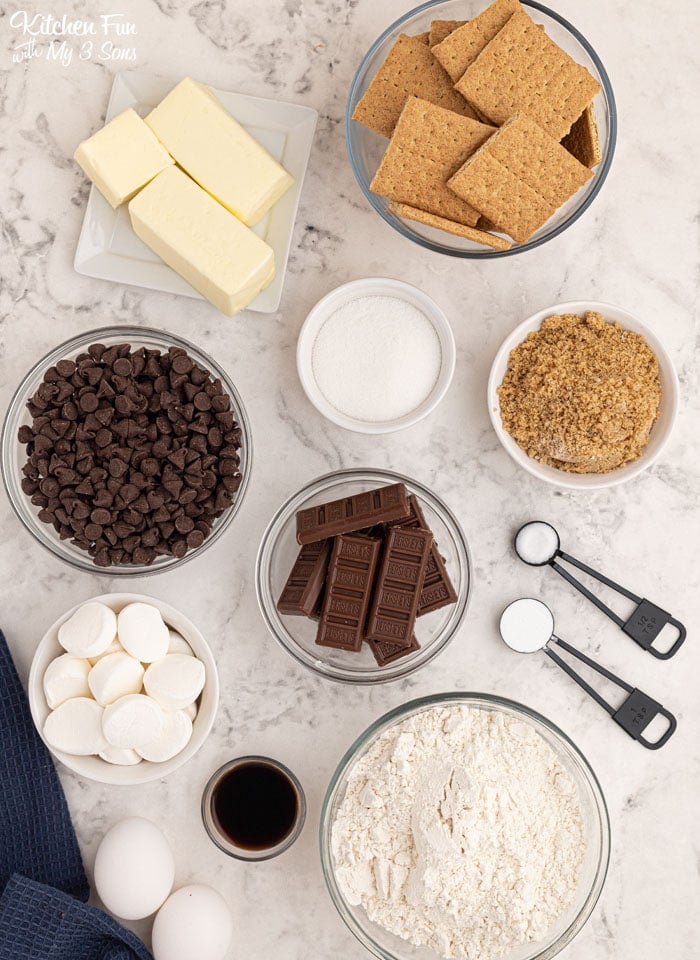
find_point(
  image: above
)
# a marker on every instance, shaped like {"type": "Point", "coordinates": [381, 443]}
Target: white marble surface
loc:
{"type": "Point", "coordinates": [635, 247]}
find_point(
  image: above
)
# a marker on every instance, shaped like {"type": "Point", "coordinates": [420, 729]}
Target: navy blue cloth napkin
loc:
{"type": "Point", "coordinates": [38, 922]}
{"type": "Point", "coordinates": [43, 883]}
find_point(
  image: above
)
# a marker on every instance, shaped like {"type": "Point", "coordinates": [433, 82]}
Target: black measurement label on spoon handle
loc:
{"type": "Point", "coordinates": [645, 625]}
{"type": "Point", "coordinates": [637, 712]}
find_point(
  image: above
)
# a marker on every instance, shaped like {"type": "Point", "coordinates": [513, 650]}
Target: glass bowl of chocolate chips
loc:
{"type": "Point", "coordinates": [126, 450]}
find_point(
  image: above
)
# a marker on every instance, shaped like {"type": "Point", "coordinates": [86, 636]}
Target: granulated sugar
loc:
{"type": "Point", "coordinates": [376, 358]}
{"type": "Point", "coordinates": [537, 542]}
{"type": "Point", "coordinates": [460, 830]}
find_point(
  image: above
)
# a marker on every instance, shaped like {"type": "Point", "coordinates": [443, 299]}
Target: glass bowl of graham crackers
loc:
{"type": "Point", "coordinates": [320, 607]}
{"type": "Point", "coordinates": [481, 131]}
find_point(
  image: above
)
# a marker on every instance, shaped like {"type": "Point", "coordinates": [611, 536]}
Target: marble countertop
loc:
{"type": "Point", "coordinates": [636, 247]}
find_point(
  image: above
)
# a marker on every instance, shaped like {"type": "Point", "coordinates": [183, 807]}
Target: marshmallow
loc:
{"type": "Point", "coordinates": [175, 681]}
{"type": "Point", "coordinates": [178, 644]}
{"type": "Point", "coordinates": [190, 711]}
{"type": "Point", "coordinates": [114, 676]}
{"type": "Point", "coordinates": [76, 727]}
{"type": "Point", "coordinates": [114, 647]}
{"type": "Point", "coordinates": [174, 736]}
{"type": "Point", "coordinates": [122, 758]}
{"type": "Point", "coordinates": [142, 632]}
{"type": "Point", "coordinates": [66, 677]}
{"type": "Point", "coordinates": [132, 721]}
{"type": "Point", "coordinates": [89, 631]}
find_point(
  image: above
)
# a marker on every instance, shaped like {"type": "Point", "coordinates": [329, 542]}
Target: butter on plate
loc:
{"type": "Point", "coordinates": [218, 255]}
{"type": "Point", "coordinates": [122, 157]}
{"type": "Point", "coordinates": [217, 152]}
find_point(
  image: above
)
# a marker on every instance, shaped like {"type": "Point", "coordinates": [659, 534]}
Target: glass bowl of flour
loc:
{"type": "Point", "coordinates": [464, 825]}
{"type": "Point", "coordinates": [297, 635]}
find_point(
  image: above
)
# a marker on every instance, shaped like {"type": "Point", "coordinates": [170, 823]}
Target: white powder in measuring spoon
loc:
{"type": "Point", "coordinates": [537, 542]}
{"type": "Point", "coordinates": [376, 358]}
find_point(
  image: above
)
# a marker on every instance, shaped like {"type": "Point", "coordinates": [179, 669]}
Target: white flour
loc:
{"type": "Point", "coordinates": [460, 830]}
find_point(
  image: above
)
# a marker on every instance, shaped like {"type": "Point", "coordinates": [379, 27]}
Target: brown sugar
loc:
{"type": "Point", "coordinates": [581, 394]}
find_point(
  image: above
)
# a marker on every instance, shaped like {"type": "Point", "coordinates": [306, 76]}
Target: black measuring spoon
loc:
{"type": "Point", "coordinates": [537, 544]}
{"type": "Point", "coordinates": [527, 625]}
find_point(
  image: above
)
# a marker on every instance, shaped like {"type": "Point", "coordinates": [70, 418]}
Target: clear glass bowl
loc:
{"type": "Point", "coordinates": [387, 946]}
{"type": "Point", "coordinates": [13, 452]}
{"type": "Point", "coordinates": [366, 148]}
{"type": "Point", "coordinates": [279, 548]}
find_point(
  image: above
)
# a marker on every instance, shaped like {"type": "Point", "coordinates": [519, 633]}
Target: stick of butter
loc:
{"type": "Point", "coordinates": [122, 157]}
{"type": "Point", "coordinates": [217, 152]}
{"type": "Point", "coordinates": [217, 254]}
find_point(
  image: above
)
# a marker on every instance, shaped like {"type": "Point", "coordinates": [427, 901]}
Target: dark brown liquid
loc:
{"type": "Point", "coordinates": [255, 805]}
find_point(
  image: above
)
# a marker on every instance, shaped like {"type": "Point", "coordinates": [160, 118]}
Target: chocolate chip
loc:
{"type": "Point", "coordinates": [195, 539]}
{"type": "Point", "coordinates": [117, 468]}
{"type": "Point", "coordinates": [202, 401]}
{"type": "Point", "coordinates": [88, 402]}
{"type": "Point", "coordinates": [81, 511]}
{"type": "Point", "coordinates": [184, 524]}
{"type": "Point", "coordinates": [179, 548]}
{"type": "Point", "coordinates": [131, 454]}
{"type": "Point", "coordinates": [182, 363]}
{"type": "Point", "coordinates": [122, 366]}
{"type": "Point", "coordinates": [66, 368]}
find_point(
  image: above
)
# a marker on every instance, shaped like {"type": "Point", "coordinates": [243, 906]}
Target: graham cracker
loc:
{"type": "Point", "coordinates": [485, 224]}
{"type": "Point", "coordinates": [429, 144]}
{"type": "Point", "coordinates": [410, 69]}
{"type": "Point", "coordinates": [522, 69]}
{"type": "Point", "coordinates": [582, 140]}
{"type": "Point", "coordinates": [519, 178]}
{"type": "Point", "coordinates": [439, 29]}
{"type": "Point", "coordinates": [461, 47]}
{"type": "Point", "coordinates": [423, 37]}
{"type": "Point", "coordinates": [458, 229]}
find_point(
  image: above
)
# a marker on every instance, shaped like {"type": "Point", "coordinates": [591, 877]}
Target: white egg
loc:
{"type": "Point", "coordinates": [193, 922]}
{"type": "Point", "coordinates": [134, 869]}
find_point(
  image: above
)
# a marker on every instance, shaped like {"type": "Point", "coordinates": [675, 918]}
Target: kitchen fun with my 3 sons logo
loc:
{"type": "Point", "coordinates": [107, 37]}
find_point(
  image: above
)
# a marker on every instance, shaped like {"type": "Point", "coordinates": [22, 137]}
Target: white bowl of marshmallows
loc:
{"type": "Point", "coordinates": [123, 689]}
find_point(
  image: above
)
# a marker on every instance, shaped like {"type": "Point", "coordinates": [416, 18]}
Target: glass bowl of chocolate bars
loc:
{"type": "Point", "coordinates": [126, 451]}
{"type": "Point", "coordinates": [481, 131]}
{"type": "Point", "coordinates": [363, 576]}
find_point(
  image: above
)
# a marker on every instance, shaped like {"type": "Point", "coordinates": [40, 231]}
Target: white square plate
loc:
{"type": "Point", "coordinates": [110, 250]}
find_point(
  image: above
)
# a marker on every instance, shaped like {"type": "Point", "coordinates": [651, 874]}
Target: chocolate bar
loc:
{"type": "Point", "coordinates": [302, 595]}
{"type": "Point", "coordinates": [386, 652]}
{"type": "Point", "coordinates": [349, 584]}
{"type": "Point", "coordinates": [438, 590]}
{"type": "Point", "coordinates": [352, 513]}
{"type": "Point", "coordinates": [399, 584]}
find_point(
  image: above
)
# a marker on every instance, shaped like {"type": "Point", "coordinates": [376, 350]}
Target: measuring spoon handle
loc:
{"type": "Point", "coordinates": [646, 621]}
{"type": "Point", "coordinates": [637, 710]}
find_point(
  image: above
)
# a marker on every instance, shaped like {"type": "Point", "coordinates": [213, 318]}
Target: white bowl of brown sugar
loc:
{"type": "Point", "coordinates": [583, 395]}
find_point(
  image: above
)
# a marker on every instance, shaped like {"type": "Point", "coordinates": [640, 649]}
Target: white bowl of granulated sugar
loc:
{"type": "Point", "coordinates": [375, 355]}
